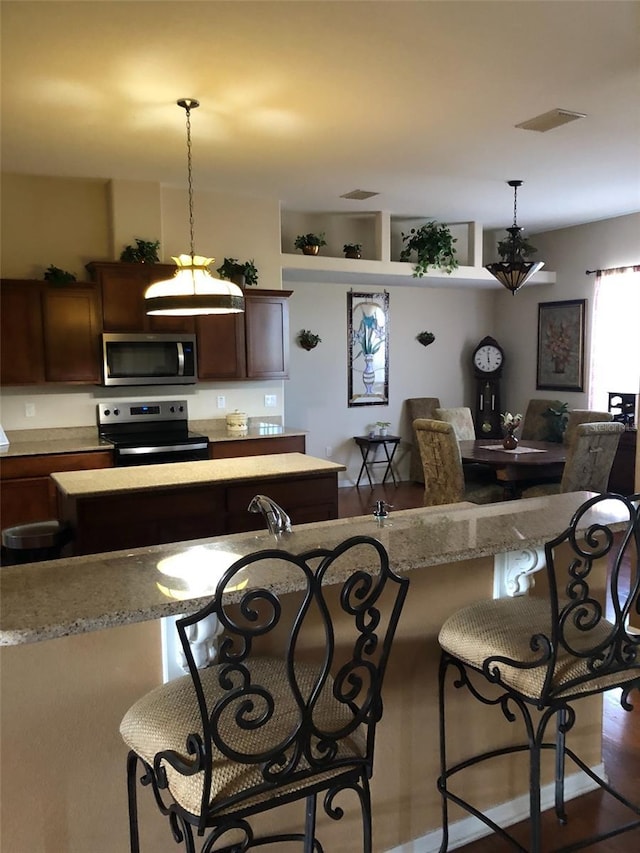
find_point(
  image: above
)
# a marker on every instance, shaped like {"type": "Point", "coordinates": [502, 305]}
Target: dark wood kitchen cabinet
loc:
{"type": "Point", "coordinates": [21, 343]}
{"type": "Point", "coordinates": [253, 345]}
{"type": "Point", "coordinates": [122, 287]}
{"type": "Point", "coordinates": [27, 492]}
{"type": "Point", "coordinates": [50, 333]}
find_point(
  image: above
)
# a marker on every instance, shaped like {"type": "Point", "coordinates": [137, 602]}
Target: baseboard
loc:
{"type": "Point", "coordinates": [506, 814]}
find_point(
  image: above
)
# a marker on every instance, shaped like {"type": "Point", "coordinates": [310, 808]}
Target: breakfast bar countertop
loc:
{"type": "Point", "coordinates": [41, 601]}
{"type": "Point", "coordinates": [144, 477]}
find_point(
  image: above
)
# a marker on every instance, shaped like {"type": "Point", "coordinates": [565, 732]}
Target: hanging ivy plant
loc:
{"type": "Point", "coordinates": [432, 243]}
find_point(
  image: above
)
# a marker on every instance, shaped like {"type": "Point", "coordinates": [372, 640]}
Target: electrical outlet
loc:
{"type": "Point", "coordinates": [328, 451]}
{"type": "Point", "coordinates": [270, 400]}
{"type": "Point", "coordinates": [29, 410]}
{"type": "Point", "coordinates": [221, 401]}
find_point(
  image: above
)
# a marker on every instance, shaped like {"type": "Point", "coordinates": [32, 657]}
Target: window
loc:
{"type": "Point", "coordinates": [615, 339]}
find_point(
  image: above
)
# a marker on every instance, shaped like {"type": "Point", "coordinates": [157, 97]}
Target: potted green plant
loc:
{"type": "Point", "coordinates": [57, 276]}
{"type": "Point", "coordinates": [144, 252]}
{"type": "Point", "coordinates": [352, 250]}
{"type": "Point", "coordinates": [433, 246]}
{"type": "Point", "coordinates": [239, 273]}
{"type": "Point", "coordinates": [515, 247]}
{"type": "Point", "coordinates": [308, 340]}
{"type": "Point", "coordinates": [310, 243]}
{"type": "Point", "coordinates": [425, 338]}
{"type": "Point", "coordinates": [383, 427]}
{"type": "Point", "coordinates": [558, 415]}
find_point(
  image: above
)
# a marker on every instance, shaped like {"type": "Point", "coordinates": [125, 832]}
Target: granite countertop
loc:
{"type": "Point", "coordinates": [41, 601]}
{"type": "Point", "coordinates": [39, 442]}
{"type": "Point", "coordinates": [140, 478]}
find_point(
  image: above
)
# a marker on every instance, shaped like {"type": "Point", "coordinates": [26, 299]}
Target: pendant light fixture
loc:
{"type": "Point", "coordinates": [193, 290]}
{"type": "Point", "coordinates": [513, 271]}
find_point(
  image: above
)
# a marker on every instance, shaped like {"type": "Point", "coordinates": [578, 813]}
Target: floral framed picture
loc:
{"type": "Point", "coordinates": [368, 348]}
{"type": "Point", "coordinates": [561, 329]}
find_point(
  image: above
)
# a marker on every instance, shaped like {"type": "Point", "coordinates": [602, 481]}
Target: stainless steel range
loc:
{"type": "Point", "coordinates": [149, 433]}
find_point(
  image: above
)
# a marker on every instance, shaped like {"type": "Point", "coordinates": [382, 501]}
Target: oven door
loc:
{"type": "Point", "coordinates": [156, 454]}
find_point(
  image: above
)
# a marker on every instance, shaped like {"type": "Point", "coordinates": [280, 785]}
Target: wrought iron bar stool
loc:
{"type": "Point", "coordinates": [266, 724]}
{"type": "Point", "coordinates": [534, 658]}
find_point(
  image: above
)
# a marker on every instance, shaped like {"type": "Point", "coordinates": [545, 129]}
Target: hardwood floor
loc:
{"type": "Point", "coordinates": [621, 729]}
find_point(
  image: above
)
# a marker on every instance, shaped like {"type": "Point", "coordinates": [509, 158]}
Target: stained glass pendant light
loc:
{"type": "Point", "coordinates": [192, 290]}
{"type": "Point", "coordinates": [513, 271]}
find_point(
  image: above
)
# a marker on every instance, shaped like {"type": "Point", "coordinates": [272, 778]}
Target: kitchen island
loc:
{"type": "Point", "coordinates": [118, 508]}
{"type": "Point", "coordinates": [82, 643]}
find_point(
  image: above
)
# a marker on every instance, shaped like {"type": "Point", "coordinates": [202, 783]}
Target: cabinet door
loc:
{"type": "Point", "coordinates": [267, 334]}
{"type": "Point", "coordinates": [221, 346]}
{"type": "Point", "coordinates": [71, 334]}
{"type": "Point", "coordinates": [123, 286]}
{"type": "Point", "coordinates": [21, 348]}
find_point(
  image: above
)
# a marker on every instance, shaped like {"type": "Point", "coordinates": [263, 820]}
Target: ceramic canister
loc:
{"type": "Point", "coordinates": [237, 422]}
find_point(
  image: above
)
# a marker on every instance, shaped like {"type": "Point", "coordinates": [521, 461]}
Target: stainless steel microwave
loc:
{"type": "Point", "coordinates": [148, 359]}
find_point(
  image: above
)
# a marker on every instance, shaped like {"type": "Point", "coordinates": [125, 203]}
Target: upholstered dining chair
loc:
{"type": "Point", "coordinates": [444, 480]}
{"type": "Point", "coordinates": [536, 423]}
{"type": "Point", "coordinates": [535, 657]}
{"type": "Point", "coordinates": [589, 459]}
{"type": "Point", "coordinates": [419, 407]}
{"type": "Point", "coordinates": [461, 419]}
{"type": "Point", "coordinates": [583, 416]}
{"type": "Point", "coordinates": [268, 723]}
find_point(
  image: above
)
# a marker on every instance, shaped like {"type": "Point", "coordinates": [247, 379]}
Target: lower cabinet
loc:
{"type": "Point", "coordinates": [136, 519]}
{"type": "Point", "coordinates": [257, 446]}
{"type": "Point", "coordinates": [307, 499]}
{"type": "Point", "coordinates": [27, 492]}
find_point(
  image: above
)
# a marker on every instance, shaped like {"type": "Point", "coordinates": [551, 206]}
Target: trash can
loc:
{"type": "Point", "coordinates": [34, 542]}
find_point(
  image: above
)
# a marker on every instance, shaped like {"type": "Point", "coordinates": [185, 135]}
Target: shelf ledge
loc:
{"type": "Point", "coordinates": [317, 268]}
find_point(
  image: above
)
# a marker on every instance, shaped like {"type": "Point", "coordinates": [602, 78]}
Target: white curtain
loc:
{"type": "Point", "coordinates": [615, 337]}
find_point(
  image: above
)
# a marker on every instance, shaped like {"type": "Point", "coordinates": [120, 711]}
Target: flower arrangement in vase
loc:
{"type": "Point", "coordinates": [510, 423]}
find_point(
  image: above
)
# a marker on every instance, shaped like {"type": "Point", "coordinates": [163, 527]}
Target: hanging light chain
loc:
{"type": "Point", "coordinates": [188, 104]}
{"type": "Point", "coordinates": [515, 204]}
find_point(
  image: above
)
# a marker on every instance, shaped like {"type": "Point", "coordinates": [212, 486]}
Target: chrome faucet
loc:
{"type": "Point", "coordinates": [277, 519]}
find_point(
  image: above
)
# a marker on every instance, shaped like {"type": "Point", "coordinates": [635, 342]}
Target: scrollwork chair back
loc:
{"type": "Point", "coordinates": [274, 721]}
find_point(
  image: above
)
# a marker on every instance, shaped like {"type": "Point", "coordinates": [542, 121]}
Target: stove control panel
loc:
{"type": "Point", "coordinates": [121, 413]}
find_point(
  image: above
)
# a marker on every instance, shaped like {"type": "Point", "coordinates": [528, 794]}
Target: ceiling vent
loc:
{"type": "Point", "coordinates": [550, 120]}
{"type": "Point", "coordinates": [360, 195]}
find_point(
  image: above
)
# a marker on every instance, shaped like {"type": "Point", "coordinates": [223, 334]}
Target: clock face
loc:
{"type": "Point", "coordinates": [488, 358]}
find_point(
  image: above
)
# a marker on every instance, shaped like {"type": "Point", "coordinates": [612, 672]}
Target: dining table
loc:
{"type": "Point", "coordinates": [515, 469]}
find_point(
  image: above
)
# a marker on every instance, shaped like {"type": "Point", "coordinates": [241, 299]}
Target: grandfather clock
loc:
{"type": "Point", "coordinates": [488, 361]}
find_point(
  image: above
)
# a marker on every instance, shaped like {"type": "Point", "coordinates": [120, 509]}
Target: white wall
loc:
{"type": "Point", "coordinates": [316, 393]}
{"type": "Point", "coordinates": [569, 252]}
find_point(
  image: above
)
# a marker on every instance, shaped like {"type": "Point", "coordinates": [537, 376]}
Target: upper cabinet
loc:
{"type": "Point", "coordinates": [50, 333]}
{"type": "Point", "coordinates": [122, 286]}
{"type": "Point", "coordinates": [253, 345]}
{"type": "Point", "coordinates": [380, 235]}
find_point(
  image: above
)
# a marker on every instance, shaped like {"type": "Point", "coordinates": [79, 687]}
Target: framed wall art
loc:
{"type": "Point", "coordinates": [368, 348]}
{"type": "Point", "coordinates": [561, 329]}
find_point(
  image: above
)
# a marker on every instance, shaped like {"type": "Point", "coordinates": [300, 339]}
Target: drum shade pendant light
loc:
{"type": "Point", "coordinates": [513, 271]}
{"type": "Point", "coordinates": [192, 290]}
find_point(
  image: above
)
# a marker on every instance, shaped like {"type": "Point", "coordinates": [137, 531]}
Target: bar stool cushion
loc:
{"type": "Point", "coordinates": [505, 626]}
{"type": "Point", "coordinates": [163, 719]}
